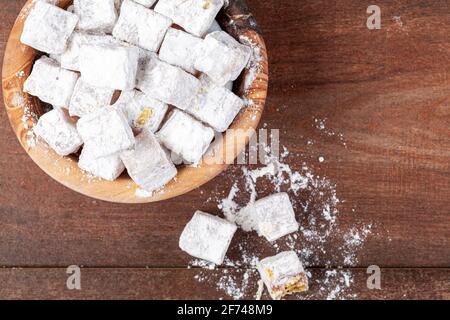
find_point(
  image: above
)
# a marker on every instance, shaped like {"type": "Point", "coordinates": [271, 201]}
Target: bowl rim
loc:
{"type": "Point", "coordinates": [22, 110]}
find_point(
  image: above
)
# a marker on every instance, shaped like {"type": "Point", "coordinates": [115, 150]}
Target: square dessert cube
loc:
{"type": "Point", "coordinates": [195, 16]}
{"type": "Point", "coordinates": [141, 26]}
{"type": "Point", "coordinates": [107, 131]}
{"type": "Point", "coordinates": [207, 237]}
{"type": "Point", "coordinates": [274, 216]}
{"type": "Point", "coordinates": [147, 163]}
{"type": "Point", "coordinates": [179, 49]}
{"type": "Point", "coordinates": [57, 129]}
{"type": "Point", "coordinates": [48, 28]}
{"type": "Point", "coordinates": [186, 136]}
{"type": "Point", "coordinates": [167, 83]}
{"type": "Point", "coordinates": [283, 274]}
{"type": "Point", "coordinates": [87, 98]}
{"type": "Point", "coordinates": [214, 27]}
{"type": "Point", "coordinates": [96, 15]}
{"type": "Point", "coordinates": [70, 58]}
{"type": "Point", "coordinates": [221, 57]}
{"type": "Point", "coordinates": [141, 110]}
{"type": "Point", "coordinates": [108, 167]}
{"type": "Point", "coordinates": [50, 83]}
{"type": "Point", "coordinates": [109, 65]}
{"type": "Point", "coordinates": [215, 105]}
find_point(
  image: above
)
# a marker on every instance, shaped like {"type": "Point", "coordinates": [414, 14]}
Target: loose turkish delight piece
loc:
{"type": "Point", "coordinates": [167, 83]}
{"type": "Point", "coordinates": [107, 131]}
{"type": "Point", "coordinates": [57, 129]}
{"type": "Point", "coordinates": [108, 167]}
{"type": "Point", "coordinates": [48, 28]}
{"type": "Point", "coordinates": [141, 110]}
{"type": "Point", "coordinates": [70, 58]}
{"type": "Point", "coordinates": [195, 16]}
{"type": "Point", "coordinates": [274, 216]}
{"type": "Point", "coordinates": [95, 15]}
{"type": "Point", "coordinates": [179, 49]}
{"type": "Point", "coordinates": [217, 106]}
{"type": "Point", "coordinates": [50, 83]}
{"type": "Point", "coordinates": [141, 26]}
{"type": "Point", "coordinates": [207, 237]}
{"type": "Point", "coordinates": [87, 99]}
{"type": "Point", "coordinates": [283, 274]}
{"type": "Point", "coordinates": [221, 57]}
{"type": "Point", "coordinates": [147, 163]}
{"type": "Point", "coordinates": [109, 65]}
{"type": "Point", "coordinates": [186, 136]}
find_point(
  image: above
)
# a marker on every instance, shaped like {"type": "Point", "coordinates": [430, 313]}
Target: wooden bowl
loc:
{"type": "Point", "coordinates": [23, 111]}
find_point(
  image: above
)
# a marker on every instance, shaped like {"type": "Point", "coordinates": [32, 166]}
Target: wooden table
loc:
{"type": "Point", "coordinates": [385, 92]}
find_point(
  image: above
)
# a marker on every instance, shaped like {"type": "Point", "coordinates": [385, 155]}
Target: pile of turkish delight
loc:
{"type": "Point", "coordinates": [170, 62]}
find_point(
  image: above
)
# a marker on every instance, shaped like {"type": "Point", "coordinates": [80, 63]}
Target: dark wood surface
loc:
{"type": "Point", "coordinates": [386, 91]}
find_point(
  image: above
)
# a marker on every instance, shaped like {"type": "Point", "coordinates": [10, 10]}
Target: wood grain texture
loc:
{"type": "Point", "coordinates": [384, 98]}
{"type": "Point", "coordinates": [17, 64]}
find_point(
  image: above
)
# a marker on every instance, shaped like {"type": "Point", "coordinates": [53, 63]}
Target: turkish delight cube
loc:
{"type": "Point", "coordinates": [50, 83]}
{"type": "Point", "coordinates": [145, 3]}
{"type": "Point", "coordinates": [215, 105]}
{"type": "Point", "coordinates": [87, 98]}
{"type": "Point", "coordinates": [109, 65]}
{"type": "Point", "coordinates": [221, 57]}
{"type": "Point", "coordinates": [59, 132]}
{"type": "Point", "coordinates": [195, 16]}
{"type": "Point", "coordinates": [141, 110]}
{"type": "Point", "coordinates": [140, 26]}
{"type": "Point", "coordinates": [70, 58]}
{"type": "Point", "coordinates": [283, 274]}
{"type": "Point", "coordinates": [108, 167]}
{"type": "Point", "coordinates": [48, 28]}
{"type": "Point", "coordinates": [186, 136]}
{"type": "Point", "coordinates": [274, 216]}
{"type": "Point", "coordinates": [214, 27]}
{"type": "Point", "coordinates": [96, 15]}
{"type": "Point", "coordinates": [147, 163]}
{"type": "Point", "coordinates": [107, 131]}
{"type": "Point", "coordinates": [179, 49]}
{"type": "Point", "coordinates": [207, 237]}
{"type": "Point", "coordinates": [167, 83]}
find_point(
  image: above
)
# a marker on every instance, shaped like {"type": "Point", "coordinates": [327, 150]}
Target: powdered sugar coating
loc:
{"type": "Point", "coordinates": [283, 274]}
{"type": "Point", "coordinates": [186, 136]}
{"type": "Point", "coordinates": [140, 26]}
{"type": "Point", "coordinates": [109, 65]}
{"type": "Point", "coordinates": [50, 83]}
{"type": "Point", "coordinates": [145, 3]}
{"type": "Point", "coordinates": [179, 48]}
{"type": "Point", "coordinates": [195, 16]}
{"type": "Point", "coordinates": [221, 57]}
{"type": "Point", "coordinates": [147, 163]}
{"type": "Point", "coordinates": [141, 110]}
{"type": "Point", "coordinates": [48, 28]}
{"type": "Point", "coordinates": [95, 15]}
{"type": "Point", "coordinates": [108, 167]}
{"type": "Point", "coordinates": [87, 99]}
{"type": "Point", "coordinates": [217, 106]}
{"type": "Point", "coordinates": [274, 216]}
{"type": "Point", "coordinates": [106, 131]}
{"type": "Point", "coordinates": [207, 237]}
{"type": "Point", "coordinates": [59, 132]}
{"type": "Point", "coordinates": [167, 83]}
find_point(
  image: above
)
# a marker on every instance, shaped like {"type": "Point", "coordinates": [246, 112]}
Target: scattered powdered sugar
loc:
{"type": "Point", "coordinates": [320, 241]}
